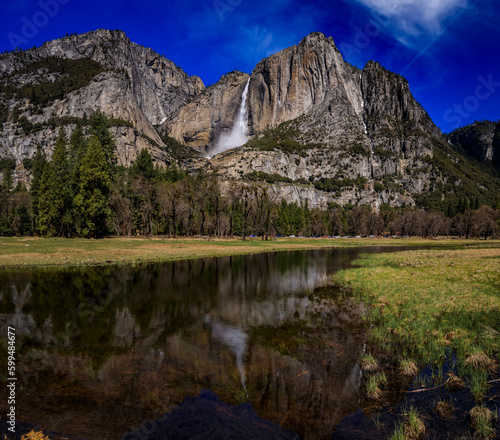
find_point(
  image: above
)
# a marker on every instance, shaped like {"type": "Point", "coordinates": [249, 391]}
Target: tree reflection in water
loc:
{"type": "Point", "coordinates": [247, 327]}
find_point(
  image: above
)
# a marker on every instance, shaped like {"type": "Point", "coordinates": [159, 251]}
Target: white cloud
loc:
{"type": "Point", "coordinates": [266, 42]}
{"type": "Point", "coordinates": [411, 18]}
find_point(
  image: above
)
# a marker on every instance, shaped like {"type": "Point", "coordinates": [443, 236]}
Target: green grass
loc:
{"type": "Point", "coordinates": [369, 363]}
{"type": "Point", "coordinates": [412, 428]}
{"type": "Point", "coordinates": [427, 303]}
{"type": "Point", "coordinates": [408, 368]}
{"type": "Point", "coordinates": [399, 433]}
{"type": "Point", "coordinates": [373, 391]}
{"type": "Point", "coordinates": [482, 421]}
{"type": "Point", "coordinates": [477, 380]}
{"type": "Point", "coordinates": [429, 300]}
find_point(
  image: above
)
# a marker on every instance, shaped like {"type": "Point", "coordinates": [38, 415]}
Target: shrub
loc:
{"type": "Point", "coordinates": [7, 163]}
{"type": "Point", "coordinates": [358, 149]}
{"type": "Point", "coordinates": [379, 187]}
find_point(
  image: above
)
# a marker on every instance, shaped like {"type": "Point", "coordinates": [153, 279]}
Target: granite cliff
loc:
{"type": "Point", "coordinates": [320, 130]}
{"type": "Point", "coordinates": [480, 140]}
{"type": "Point", "coordinates": [65, 79]}
{"type": "Point", "coordinates": [333, 132]}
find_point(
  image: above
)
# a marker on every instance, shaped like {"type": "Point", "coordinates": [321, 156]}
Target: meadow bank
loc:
{"type": "Point", "coordinates": [438, 310]}
{"type": "Point", "coordinates": [57, 252]}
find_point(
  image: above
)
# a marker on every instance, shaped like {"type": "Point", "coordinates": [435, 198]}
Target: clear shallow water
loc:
{"type": "Point", "coordinates": [100, 350]}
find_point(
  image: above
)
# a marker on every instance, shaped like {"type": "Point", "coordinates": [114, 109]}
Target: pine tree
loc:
{"type": "Point", "coordinates": [24, 220]}
{"type": "Point", "coordinates": [77, 146]}
{"type": "Point", "coordinates": [54, 209]}
{"type": "Point", "coordinates": [461, 205]}
{"type": "Point", "coordinates": [143, 165]}
{"type": "Point", "coordinates": [77, 151]}
{"type": "Point", "coordinates": [91, 200]}
{"type": "Point", "coordinates": [6, 202]}
{"type": "Point", "coordinates": [7, 180]}
{"type": "Point", "coordinates": [38, 165]}
{"type": "Point", "coordinates": [60, 155]}
{"type": "Point", "coordinates": [47, 211]}
{"type": "Point", "coordinates": [475, 205]}
{"type": "Point", "coordinates": [99, 127]}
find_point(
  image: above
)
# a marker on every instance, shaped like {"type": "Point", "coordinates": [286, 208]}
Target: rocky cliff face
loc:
{"type": "Point", "coordinates": [313, 116]}
{"type": "Point", "coordinates": [321, 130]}
{"type": "Point", "coordinates": [394, 120]}
{"type": "Point", "coordinates": [309, 78]}
{"type": "Point", "coordinates": [480, 140]}
{"type": "Point", "coordinates": [159, 86]}
{"type": "Point", "coordinates": [312, 79]}
{"type": "Point", "coordinates": [132, 84]}
{"type": "Point", "coordinates": [200, 123]}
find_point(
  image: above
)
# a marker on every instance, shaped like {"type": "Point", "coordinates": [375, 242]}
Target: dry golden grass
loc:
{"type": "Point", "coordinates": [416, 430]}
{"type": "Point", "coordinates": [408, 368]}
{"type": "Point", "coordinates": [375, 394]}
{"type": "Point", "coordinates": [34, 435]}
{"type": "Point", "coordinates": [444, 409]}
{"type": "Point", "coordinates": [480, 414]}
{"type": "Point", "coordinates": [30, 252]}
{"type": "Point", "coordinates": [373, 391]}
{"type": "Point", "coordinates": [454, 383]}
{"type": "Point", "coordinates": [413, 427]}
{"type": "Point", "coordinates": [482, 421]}
{"type": "Point", "coordinates": [480, 361]}
{"type": "Point", "coordinates": [369, 364]}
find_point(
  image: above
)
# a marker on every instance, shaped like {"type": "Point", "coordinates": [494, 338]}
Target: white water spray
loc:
{"type": "Point", "coordinates": [239, 133]}
{"type": "Point", "coordinates": [236, 340]}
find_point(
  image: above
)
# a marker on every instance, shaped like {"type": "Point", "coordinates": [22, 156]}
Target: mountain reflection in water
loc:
{"type": "Point", "coordinates": [102, 349]}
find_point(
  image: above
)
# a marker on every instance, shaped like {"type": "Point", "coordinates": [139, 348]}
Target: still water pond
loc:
{"type": "Point", "coordinates": [100, 350]}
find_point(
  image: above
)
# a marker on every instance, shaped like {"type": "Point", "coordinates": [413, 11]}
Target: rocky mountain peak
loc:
{"type": "Point", "coordinates": [328, 131]}
{"type": "Point", "coordinates": [390, 106]}
{"type": "Point", "coordinates": [159, 85]}
{"type": "Point", "coordinates": [316, 39]}
{"type": "Point", "coordinates": [73, 76]}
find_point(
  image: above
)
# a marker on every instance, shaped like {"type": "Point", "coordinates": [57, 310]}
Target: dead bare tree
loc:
{"type": "Point", "coordinates": [246, 201]}
{"type": "Point", "coordinates": [336, 220]}
{"type": "Point", "coordinates": [374, 223]}
{"type": "Point", "coordinates": [216, 202]}
{"type": "Point", "coordinates": [170, 199]}
{"type": "Point", "coordinates": [486, 222]}
{"type": "Point", "coordinates": [122, 207]}
{"type": "Point", "coordinates": [233, 201]}
{"type": "Point", "coordinates": [356, 220]}
{"type": "Point", "coordinates": [465, 223]}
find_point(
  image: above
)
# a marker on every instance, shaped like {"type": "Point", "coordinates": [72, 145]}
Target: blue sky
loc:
{"type": "Point", "coordinates": [449, 50]}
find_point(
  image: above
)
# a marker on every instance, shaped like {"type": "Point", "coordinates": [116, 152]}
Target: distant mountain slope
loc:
{"type": "Point", "coordinates": [480, 140]}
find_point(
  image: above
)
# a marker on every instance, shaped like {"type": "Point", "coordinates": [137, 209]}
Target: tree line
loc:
{"type": "Point", "coordinates": [82, 192]}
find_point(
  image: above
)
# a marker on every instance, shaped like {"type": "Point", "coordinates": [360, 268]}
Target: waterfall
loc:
{"type": "Point", "coordinates": [239, 133]}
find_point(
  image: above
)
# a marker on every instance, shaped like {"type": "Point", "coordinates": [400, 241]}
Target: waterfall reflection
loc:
{"type": "Point", "coordinates": [245, 327]}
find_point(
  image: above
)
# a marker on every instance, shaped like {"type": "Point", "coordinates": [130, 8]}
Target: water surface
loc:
{"type": "Point", "coordinates": [101, 350]}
